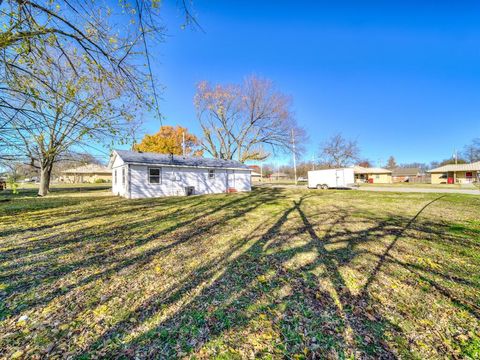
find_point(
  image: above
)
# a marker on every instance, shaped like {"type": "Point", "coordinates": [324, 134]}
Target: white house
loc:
{"type": "Point", "coordinates": [141, 175]}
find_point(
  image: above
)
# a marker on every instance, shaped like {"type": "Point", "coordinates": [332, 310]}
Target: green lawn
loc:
{"type": "Point", "coordinates": [64, 186]}
{"type": "Point", "coordinates": [419, 185]}
{"type": "Point", "coordinates": [274, 273]}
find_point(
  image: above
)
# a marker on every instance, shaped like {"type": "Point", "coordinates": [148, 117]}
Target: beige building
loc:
{"type": "Point", "coordinates": [400, 174]}
{"type": "Point", "coordinates": [256, 177]}
{"type": "Point", "coordinates": [278, 176]}
{"type": "Point", "coordinates": [372, 175]}
{"type": "Point", "coordinates": [456, 173]}
{"type": "Point", "coordinates": [86, 174]}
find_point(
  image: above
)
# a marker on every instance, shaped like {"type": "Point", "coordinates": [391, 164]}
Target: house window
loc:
{"type": "Point", "coordinates": [469, 174]}
{"type": "Point", "coordinates": [123, 176]}
{"type": "Point", "coordinates": [115, 176]}
{"type": "Point", "coordinates": [154, 175]}
{"type": "Point", "coordinates": [377, 176]}
{"type": "Point", "coordinates": [211, 174]}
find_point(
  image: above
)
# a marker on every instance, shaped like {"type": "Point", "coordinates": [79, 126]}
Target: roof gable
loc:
{"type": "Point", "coordinates": [406, 171]}
{"type": "Point", "coordinates": [363, 170]}
{"type": "Point", "coordinates": [458, 167]}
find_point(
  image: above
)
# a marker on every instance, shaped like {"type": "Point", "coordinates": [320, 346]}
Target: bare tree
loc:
{"type": "Point", "coordinates": [81, 109]}
{"type": "Point", "coordinates": [471, 152]}
{"type": "Point", "coordinates": [421, 166]}
{"type": "Point", "coordinates": [87, 25]}
{"type": "Point", "coordinates": [247, 121]}
{"type": "Point", "coordinates": [111, 39]}
{"type": "Point", "coordinates": [339, 152]}
{"type": "Point", "coordinates": [452, 161]}
{"type": "Point", "coordinates": [364, 163]}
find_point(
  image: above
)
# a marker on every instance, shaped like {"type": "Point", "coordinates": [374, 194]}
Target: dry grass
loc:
{"type": "Point", "coordinates": [420, 185]}
{"type": "Point", "coordinates": [269, 274]}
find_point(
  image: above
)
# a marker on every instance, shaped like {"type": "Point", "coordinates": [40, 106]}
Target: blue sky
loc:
{"type": "Point", "coordinates": [402, 78]}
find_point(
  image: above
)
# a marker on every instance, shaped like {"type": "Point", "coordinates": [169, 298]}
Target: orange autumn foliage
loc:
{"type": "Point", "coordinates": [168, 140]}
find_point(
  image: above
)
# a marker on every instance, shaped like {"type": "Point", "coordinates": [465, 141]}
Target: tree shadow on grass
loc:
{"type": "Point", "coordinates": [258, 298]}
{"type": "Point", "coordinates": [311, 320]}
{"type": "Point", "coordinates": [307, 310]}
{"type": "Point", "coordinates": [194, 223]}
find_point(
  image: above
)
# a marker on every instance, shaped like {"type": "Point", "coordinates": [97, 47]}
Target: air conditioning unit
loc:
{"type": "Point", "coordinates": [189, 190]}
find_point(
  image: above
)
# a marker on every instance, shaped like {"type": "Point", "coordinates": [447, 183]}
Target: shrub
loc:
{"type": "Point", "coordinates": [13, 184]}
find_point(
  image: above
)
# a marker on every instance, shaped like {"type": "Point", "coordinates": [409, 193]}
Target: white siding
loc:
{"type": "Point", "coordinates": [175, 179]}
{"type": "Point", "coordinates": [119, 188]}
{"type": "Point", "coordinates": [243, 180]}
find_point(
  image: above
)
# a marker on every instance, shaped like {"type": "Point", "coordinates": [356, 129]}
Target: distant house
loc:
{"type": "Point", "coordinates": [86, 174]}
{"type": "Point", "coordinates": [255, 168]}
{"type": "Point", "coordinates": [456, 173]}
{"type": "Point", "coordinates": [278, 176]}
{"type": "Point", "coordinates": [143, 175]}
{"type": "Point", "coordinates": [257, 177]}
{"type": "Point", "coordinates": [372, 175]}
{"type": "Point", "coordinates": [406, 174]}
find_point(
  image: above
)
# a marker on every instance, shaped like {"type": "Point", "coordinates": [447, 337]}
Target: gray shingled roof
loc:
{"type": "Point", "coordinates": [370, 170]}
{"type": "Point", "coordinates": [177, 160]}
{"type": "Point", "coordinates": [407, 171]}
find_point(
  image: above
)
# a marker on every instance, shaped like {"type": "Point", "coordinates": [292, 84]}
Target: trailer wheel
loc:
{"type": "Point", "coordinates": [324, 187]}
{"type": "Point", "coordinates": [319, 187]}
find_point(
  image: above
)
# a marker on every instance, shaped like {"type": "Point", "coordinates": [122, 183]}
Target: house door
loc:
{"type": "Point", "coordinates": [230, 179]}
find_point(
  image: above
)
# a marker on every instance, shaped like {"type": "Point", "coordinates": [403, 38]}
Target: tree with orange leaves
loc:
{"type": "Point", "coordinates": [169, 140]}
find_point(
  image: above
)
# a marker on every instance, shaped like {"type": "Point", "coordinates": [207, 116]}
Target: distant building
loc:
{"type": "Point", "coordinates": [456, 173]}
{"type": "Point", "coordinates": [372, 175]}
{"type": "Point", "coordinates": [255, 168]}
{"type": "Point", "coordinates": [86, 174]}
{"type": "Point", "coordinates": [407, 174]}
{"type": "Point", "coordinates": [278, 176]}
{"type": "Point", "coordinates": [256, 177]}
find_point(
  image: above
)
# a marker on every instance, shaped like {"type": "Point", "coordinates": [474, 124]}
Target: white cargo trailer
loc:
{"type": "Point", "coordinates": [331, 178]}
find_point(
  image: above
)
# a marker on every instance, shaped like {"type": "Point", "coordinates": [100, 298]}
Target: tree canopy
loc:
{"type": "Point", "coordinates": [80, 109]}
{"type": "Point", "coordinates": [391, 163]}
{"type": "Point", "coordinates": [338, 151]}
{"type": "Point", "coordinates": [471, 152]}
{"type": "Point", "coordinates": [170, 140]}
{"type": "Point", "coordinates": [246, 121]}
{"type": "Point", "coordinates": [109, 39]}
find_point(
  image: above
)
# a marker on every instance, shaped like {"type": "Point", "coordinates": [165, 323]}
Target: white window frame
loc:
{"type": "Point", "coordinates": [211, 174]}
{"type": "Point", "coordinates": [115, 177]}
{"type": "Point", "coordinates": [124, 176]}
{"type": "Point", "coordinates": [159, 175]}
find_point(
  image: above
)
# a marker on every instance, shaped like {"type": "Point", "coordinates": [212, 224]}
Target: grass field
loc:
{"type": "Point", "coordinates": [274, 273]}
{"type": "Point", "coordinates": [419, 185]}
{"type": "Point", "coordinates": [28, 186]}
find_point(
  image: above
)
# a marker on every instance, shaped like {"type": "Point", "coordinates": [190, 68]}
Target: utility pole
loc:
{"type": "Point", "coordinates": [456, 162]}
{"type": "Point", "coordinates": [294, 158]}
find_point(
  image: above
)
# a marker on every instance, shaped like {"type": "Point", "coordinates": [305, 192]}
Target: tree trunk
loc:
{"type": "Point", "coordinates": [45, 174]}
